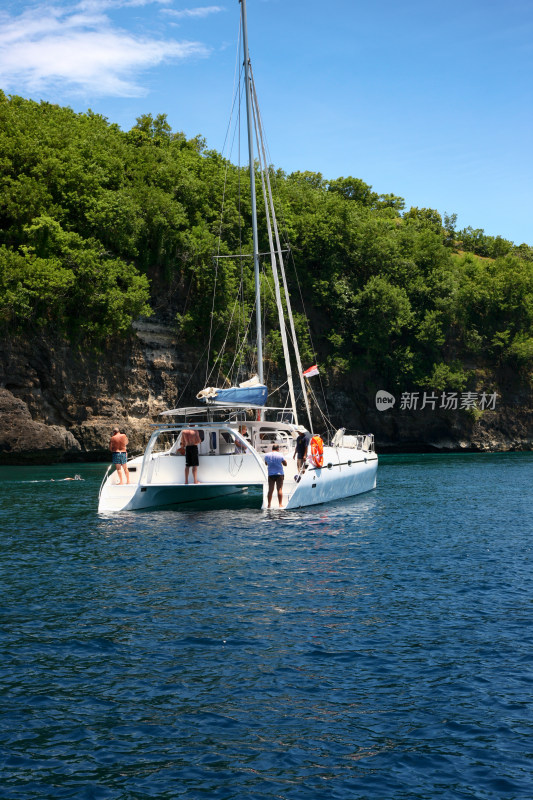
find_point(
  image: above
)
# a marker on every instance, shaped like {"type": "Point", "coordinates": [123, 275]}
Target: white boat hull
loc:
{"type": "Point", "coordinates": [161, 482]}
{"type": "Point", "coordinates": [345, 473]}
{"type": "Point", "coordinates": [160, 496]}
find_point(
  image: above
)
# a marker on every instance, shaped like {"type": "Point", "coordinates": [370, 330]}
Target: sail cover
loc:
{"type": "Point", "coordinates": [254, 395]}
{"type": "Point", "coordinates": [250, 393]}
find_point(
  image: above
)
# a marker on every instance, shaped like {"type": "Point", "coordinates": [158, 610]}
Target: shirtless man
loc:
{"type": "Point", "coordinates": [117, 445]}
{"type": "Point", "coordinates": [190, 439]}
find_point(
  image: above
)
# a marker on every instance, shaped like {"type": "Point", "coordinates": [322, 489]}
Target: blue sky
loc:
{"type": "Point", "coordinates": [433, 102]}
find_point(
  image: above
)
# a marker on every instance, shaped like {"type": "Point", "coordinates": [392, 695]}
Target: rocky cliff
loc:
{"type": "Point", "coordinates": [59, 403]}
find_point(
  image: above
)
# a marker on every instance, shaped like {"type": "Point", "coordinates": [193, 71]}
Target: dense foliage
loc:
{"type": "Point", "coordinates": [97, 225]}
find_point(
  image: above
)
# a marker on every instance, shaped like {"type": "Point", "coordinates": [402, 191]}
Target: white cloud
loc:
{"type": "Point", "coordinates": [109, 4]}
{"type": "Point", "coordinates": [79, 49]}
{"type": "Point", "coordinates": [202, 11]}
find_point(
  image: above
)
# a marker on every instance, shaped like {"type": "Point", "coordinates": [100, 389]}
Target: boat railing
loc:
{"type": "Point", "coordinates": [238, 445]}
{"type": "Point", "coordinates": [285, 417]}
{"type": "Point", "coordinates": [265, 441]}
{"type": "Point", "coordinates": [370, 442]}
{"type": "Point", "coordinates": [108, 470]}
{"type": "Point", "coordinates": [357, 441]}
{"type": "Point", "coordinates": [238, 416]}
{"type": "Point", "coordinates": [143, 475]}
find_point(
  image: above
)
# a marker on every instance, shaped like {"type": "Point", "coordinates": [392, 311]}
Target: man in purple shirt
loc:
{"type": "Point", "coordinates": [275, 463]}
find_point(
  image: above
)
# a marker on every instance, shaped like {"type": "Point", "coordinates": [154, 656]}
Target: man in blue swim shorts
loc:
{"type": "Point", "coordinates": [119, 456]}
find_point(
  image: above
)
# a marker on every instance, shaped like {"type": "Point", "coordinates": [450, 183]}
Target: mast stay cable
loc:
{"type": "Point", "coordinates": [266, 173]}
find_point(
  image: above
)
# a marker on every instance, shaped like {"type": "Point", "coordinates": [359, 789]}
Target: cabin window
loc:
{"type": "Point", "coordinates": [226, 443]}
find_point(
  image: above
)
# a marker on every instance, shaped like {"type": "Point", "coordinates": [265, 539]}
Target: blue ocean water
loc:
{"type": "Point", "coordinates": [380, 647]}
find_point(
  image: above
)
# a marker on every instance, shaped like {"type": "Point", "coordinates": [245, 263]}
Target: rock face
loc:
{"type": "Point", "coordinates": [60, 404]}
{"type": "Point", "coordinates": [21, 434]}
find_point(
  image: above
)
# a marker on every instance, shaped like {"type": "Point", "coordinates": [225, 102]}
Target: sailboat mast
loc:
{"type": "Point", "coordinates": [252, 189]}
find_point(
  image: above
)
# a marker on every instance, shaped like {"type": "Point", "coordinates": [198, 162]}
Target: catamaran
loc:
{"type": "Point", "coordinates": [235, 427]}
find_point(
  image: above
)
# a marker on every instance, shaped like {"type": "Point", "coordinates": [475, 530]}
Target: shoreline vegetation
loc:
{"type": "Point", "coordinates": [100, 228]}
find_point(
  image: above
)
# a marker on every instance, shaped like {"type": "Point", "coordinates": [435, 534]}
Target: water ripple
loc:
{"type": "Point", "coordinates": [377, 648]}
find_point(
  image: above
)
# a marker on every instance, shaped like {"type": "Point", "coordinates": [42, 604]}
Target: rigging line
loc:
{"type": "Point", "coordinates": [243, 341]}
{"type": "Point", "coordinates": [271, 296]}
{"type": "Point", "coordinates": [194, 370]}
{"type": "Point", "coordinates": [241, 348]}
{"type": "Point", "coordinates": [239, 296]}
{"type": "Point", "coordinates": [238, 349]}
{"type": "Point", "coordinates": [236, 72]}
{"type": "Point", "coordinates": [236, 129]}
{"type": "Point", "coordinates": [290, 251]}
{"type": "Point", "coordinates": [240, 255]}
{"type": "Point", "coordinates": [219, 357]}
{"type": "Point", "coordinates": [186, 304]}
{"type": "Point", "coordinates": [327, 421]}
{"type": "Point", "coordinates": [278, 196]}
{"type": "Point", "coordinates": [251, 167]}
{"type": "Point", "coordinates": [249, 255]}
{"type": "Point", "coordinates": [284, 222]}
{"type": "Point", "coordinates": [298, 284]}
{"type": "Point", "coordinates": [245, 332]}
{"type": "Point", "coordinates": [261, 148]}
{"type": "Point", "coordinates": [266, 282]}
{"type": "Point", "coordinates": [273, 259]}
{"type": "Point", "coordinates": [226, 172]}
{"type": "Point", "coordinates": [313, 349]}
{"type": "Point", "coordinates": [285, 226]}
{"type": "Point", "coordinates": [305, 316]}
{"type": "Point", "coordinates": [211, 325]}
{"type": "Point", "coordinates": [278, 389]}
{"type": "Point", "coordinates": [223, 348]}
